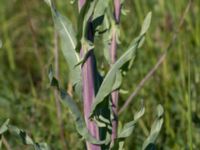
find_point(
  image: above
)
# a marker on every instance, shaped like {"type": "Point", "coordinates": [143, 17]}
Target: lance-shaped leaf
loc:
{"type": "Point", "coordinates": [128, 127]}
{"type": "Point", "coordinates": [70, 103]}
{"type": "Point", "coordinates": [109, 81]}
{"type": "Point", "coordinates": [126, 131]}
{"type": "Point", "coordinates": [68, 42]}
{"type": "Point", "coordinates": [149, 143]}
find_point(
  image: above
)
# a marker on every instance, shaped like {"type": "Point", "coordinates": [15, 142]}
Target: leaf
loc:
{"type": "Point", "coordinates": [70, 103]}
{"type": "Point", "coordinates": [128, 127]}
{"type": "Point", "coordinates": [155, 129]}
{"type": "Point", "coordinates": [109, 81]}
{"type": "Point", "coordinates": [98, 18]}
{"type": "Point", "coordinates": [27, 139]}
{"type": "Point", "coordinates": [83, 19]}
{"type": "Point", "coordinates": [100, 8]}
{"type": "Point", "coordinates": [68, 43]}
{"type": "Point", "coordinates": [146, 23]}
{"type": "Point", "coordinates": [4, 126]}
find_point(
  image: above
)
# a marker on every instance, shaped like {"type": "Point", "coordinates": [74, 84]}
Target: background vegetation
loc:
{"type": "Point", "coordinates": [26, 51]}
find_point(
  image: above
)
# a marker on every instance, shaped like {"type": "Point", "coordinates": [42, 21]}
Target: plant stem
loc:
{"type": "Point", "coordinates": [113, 54]}
{"type": "Point", "coordinates": [88, 97]}
{"type": "Point", "coordinates": [88, 84]}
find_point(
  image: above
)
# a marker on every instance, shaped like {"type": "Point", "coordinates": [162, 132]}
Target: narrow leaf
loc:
{"type": "Point", "coordinates": [109, 81]}
{"type": "Point", "coordinates": [128, 127]}
{"type": "Point", "coordinates": [155, 129]}
{"type": "Point", "coordinates": [68, 43]}
{"type": "Point", "coordinates": [79, 121]}
{"type": "Point", "coordinates": [146, 23]}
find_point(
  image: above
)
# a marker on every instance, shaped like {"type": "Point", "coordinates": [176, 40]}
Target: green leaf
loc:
{"type": "Point", "coordinates": [126, 131]}
{"type": "Point", "coordinates": [108, 83]}
{"type": "Point", "coordinates": [98, 18]}
{"type": "Point", "coordinates": [68, 43]}
{"type": "Point", "coordinates": [26, 139]}
{"type": "Point", "coordinates": [100, 8]}
{"type": "Point", "coordinates": [79, 121]}
{"type": "Point", "coordinates": [146, 24]}
{"type": "Point", "coordinates": [155, 129]}
{"type": "Point", "coordinates": [84, 16]}
{"type": "Point", "coordinates": [128, 127]}
{"type": "Point", "coordinates": [4, 126]}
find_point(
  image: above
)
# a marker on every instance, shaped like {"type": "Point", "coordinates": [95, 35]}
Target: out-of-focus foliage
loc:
{"type": "Point", "coordinates": [26, 50]}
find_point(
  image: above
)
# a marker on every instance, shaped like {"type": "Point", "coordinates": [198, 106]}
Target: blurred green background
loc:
{"type": "Point", "coordinates": [26, 51]}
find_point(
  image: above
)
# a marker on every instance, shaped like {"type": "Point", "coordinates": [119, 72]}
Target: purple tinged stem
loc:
{"type": "Point", "coordinates": [113, 54]}
{"type": "Point", "coordinates": [88, 97]}
{"type": "Point", "coordinates": [114, 94]}
{"type": "Point", "coordinates": [88, 81]}
{"type": "Point", "coordinates": [117, 4]}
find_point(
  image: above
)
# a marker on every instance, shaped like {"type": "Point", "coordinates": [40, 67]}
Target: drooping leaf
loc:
{"type": "Point", "coordinates": [109, 81]}
{"type": "Point", "coordinates": [26, 139]}
{"type": "Point", "coordinates": [149, 143]}
{"type": "Point", "coordinates": [70, 103]}
{"type": "Point", "coordinates": [68, 43]}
